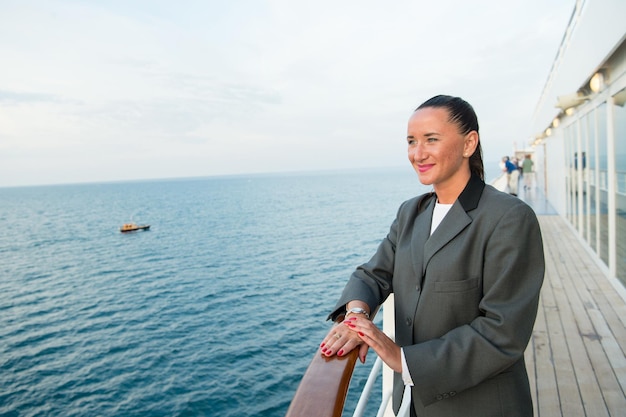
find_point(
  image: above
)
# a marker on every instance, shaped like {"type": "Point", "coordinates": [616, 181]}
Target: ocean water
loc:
{"type": "Point", "coordinates": [217, 310]}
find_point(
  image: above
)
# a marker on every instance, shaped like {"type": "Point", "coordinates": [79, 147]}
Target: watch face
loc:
{"type": "Point", "coordinates": [358, 310]}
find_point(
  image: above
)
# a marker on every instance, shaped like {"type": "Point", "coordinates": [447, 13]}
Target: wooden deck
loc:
{"type": "Point", "coordinates": [577, 356]}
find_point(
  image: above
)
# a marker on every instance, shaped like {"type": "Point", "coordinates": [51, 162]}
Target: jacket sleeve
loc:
{"type": "Point", "coordinates": [372, 281]}
{"type": "Point", "coordinates": [465, 356]}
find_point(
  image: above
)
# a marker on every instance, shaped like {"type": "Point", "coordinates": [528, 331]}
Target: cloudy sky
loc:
{"type": "Point", "coordinates": [95, 91]}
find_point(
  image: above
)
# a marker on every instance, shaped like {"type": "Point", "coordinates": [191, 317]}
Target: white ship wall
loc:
{"type": "Point", "coordinates": [596, 31]}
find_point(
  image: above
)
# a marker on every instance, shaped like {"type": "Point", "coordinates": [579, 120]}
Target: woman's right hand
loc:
{"type": "Point", "coordinates": [340, 340]}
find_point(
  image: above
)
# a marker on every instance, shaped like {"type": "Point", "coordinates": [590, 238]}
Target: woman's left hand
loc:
{"type": "Point", "coordinates": [382, 344]}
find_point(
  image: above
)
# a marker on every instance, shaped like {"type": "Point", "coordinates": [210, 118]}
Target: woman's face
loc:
{"type": "Point", "coordinates": [437, 150]}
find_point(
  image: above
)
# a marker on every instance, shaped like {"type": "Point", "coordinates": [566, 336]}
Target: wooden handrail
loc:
{"type": "Point", "coordinates": [324, 386]}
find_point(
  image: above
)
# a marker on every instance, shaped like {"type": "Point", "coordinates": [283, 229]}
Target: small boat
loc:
{"type": "Point", "coordinates": [132, 227]}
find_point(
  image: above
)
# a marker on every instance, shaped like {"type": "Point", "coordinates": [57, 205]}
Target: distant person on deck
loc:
{"type": "Point", "coordinates": [466, 291]}
{"type": "Point", "coordinates": [529, 173]}
{"type": "Point", "coordinates": [513, 173]}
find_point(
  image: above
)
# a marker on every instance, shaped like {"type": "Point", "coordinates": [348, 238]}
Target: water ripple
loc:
{"type": "Point", "coordinates": [216, 310]}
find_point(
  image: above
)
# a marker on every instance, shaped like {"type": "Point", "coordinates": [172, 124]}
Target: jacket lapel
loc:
{"type": "Point", "coordinates": [455, 221]}
{"type": "Point", "coordinates": [421, 232]}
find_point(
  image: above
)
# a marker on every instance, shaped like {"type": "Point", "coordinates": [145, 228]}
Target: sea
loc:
{"type": "Point", "coordinates": [216, 310]}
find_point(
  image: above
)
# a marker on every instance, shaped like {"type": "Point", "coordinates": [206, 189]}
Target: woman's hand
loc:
{"type": "Point", "coordinates": [340, 340]}
{"type": "Point", "coordinates": [373, 337]}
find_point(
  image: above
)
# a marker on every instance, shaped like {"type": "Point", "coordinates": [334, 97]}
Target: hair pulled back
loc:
{"type": "Point", "coordinates": [462, 114]}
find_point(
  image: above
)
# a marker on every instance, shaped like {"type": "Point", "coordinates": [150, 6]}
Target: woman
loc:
{"type": "Point", "coordinates": [466, 287]}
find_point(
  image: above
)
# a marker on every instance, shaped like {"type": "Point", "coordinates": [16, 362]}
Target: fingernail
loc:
{"type": "Point", "coordinates": [322, 345]}
{"type": "Point", "coordinates": [324, 350]}
{"type": "Point", "coordinates": [340, 352]}
{"type": "Point", "coordinates": [361, 334]}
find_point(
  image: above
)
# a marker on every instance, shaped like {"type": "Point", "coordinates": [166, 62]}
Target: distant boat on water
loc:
{"type": "Point", "coordinates": [132, 227]}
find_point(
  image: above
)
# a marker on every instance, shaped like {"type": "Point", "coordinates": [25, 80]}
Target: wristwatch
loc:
{"type": "Point", "coordinates": [358, 310]}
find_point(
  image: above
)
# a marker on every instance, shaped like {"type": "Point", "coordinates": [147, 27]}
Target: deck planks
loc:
{"type": "Point", "coordinates": [576, 358]}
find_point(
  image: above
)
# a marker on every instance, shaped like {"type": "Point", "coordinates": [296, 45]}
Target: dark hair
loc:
{"type": "Point", "coordinates": [462, 114]}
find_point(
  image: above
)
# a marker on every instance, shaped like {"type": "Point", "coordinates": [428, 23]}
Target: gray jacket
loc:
{"type": "Point", "coordinates": [465, 300]}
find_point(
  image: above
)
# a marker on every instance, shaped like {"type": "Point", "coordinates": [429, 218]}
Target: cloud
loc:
{"type": "Point", "coordinates": [17, 97]}
{"type": "Point", "coordinates": [255, 86]}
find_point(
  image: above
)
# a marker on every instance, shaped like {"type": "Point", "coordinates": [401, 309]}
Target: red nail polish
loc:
{"type": "Point", "coordinates": [323, 344]}
{"type": "Point", "coordinates": [340, 352]}
{"type": "Point", "coordinates": [361, 334]}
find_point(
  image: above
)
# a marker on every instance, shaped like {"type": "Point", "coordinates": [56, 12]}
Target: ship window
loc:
{"type": "Point", "coordinates": [593, 195]}
{"type": "Point", "coordinates": [603, 183]}
{"type": "Point", "coordinates": [619, 112]}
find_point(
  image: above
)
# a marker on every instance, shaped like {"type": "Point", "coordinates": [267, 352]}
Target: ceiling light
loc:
{"type": "Point", "coordinates": [597, 82]}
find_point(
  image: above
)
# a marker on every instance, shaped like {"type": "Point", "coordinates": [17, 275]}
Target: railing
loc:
{"type": "Point", "coordinates": [367, 390]}
{"type": "Point", "coordinates": [383, 409]}
{"type": "Point", "coordinates": [324, 386]}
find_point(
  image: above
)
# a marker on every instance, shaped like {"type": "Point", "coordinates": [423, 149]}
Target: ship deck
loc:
{"type": "Point", "coordinates": [576, 358]}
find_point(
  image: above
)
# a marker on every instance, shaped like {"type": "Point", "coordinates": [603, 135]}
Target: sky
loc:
{"type": "Point", "coordinates": [99, 91]}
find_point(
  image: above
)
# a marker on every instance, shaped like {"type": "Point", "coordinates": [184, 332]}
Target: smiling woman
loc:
{"type": "Point", "coordinates": [465, 293]}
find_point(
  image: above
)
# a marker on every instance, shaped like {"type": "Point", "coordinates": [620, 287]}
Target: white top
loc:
{"type": "Point", "coordinates": [438, 214]}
